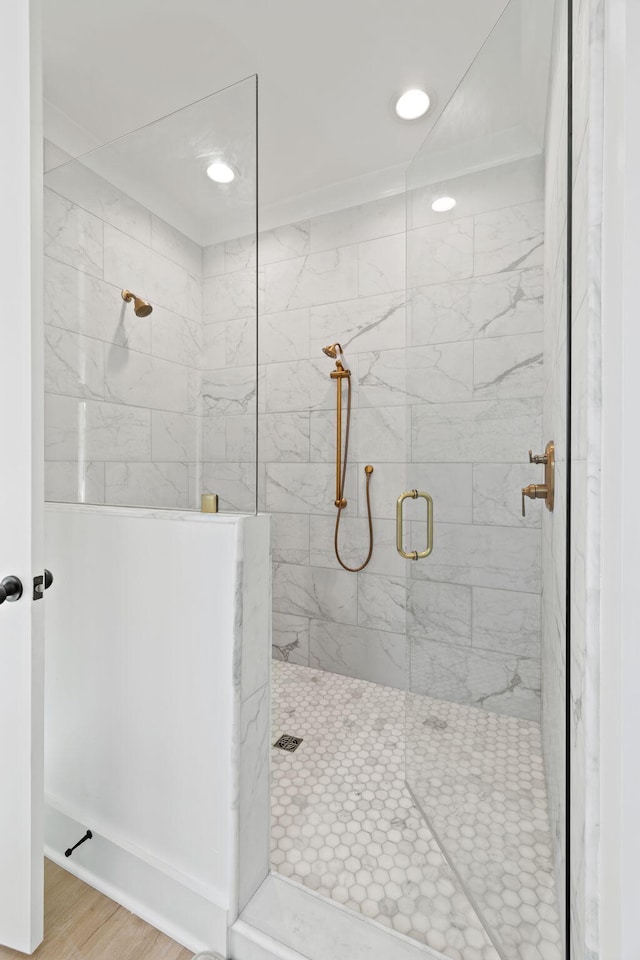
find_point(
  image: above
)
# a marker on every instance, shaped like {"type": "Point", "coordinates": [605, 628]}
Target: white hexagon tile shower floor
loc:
{"type": "Point", "coordinates": [345, 825]}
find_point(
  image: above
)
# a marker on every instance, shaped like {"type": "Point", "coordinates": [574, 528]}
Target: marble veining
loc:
{"type": "Point", "coordinates": [345, 825]}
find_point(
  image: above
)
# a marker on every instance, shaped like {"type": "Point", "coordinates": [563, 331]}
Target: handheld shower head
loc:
{"type": "Point", "coordinates": [141, 308]}
{"type": "Point", "coordinates": [335, 351]}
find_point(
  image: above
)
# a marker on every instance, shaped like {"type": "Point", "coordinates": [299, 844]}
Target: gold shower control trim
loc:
{"type": "Point", "coordinates": [414, 554]}
{"type": "Point", "coordinates": [542, 491]}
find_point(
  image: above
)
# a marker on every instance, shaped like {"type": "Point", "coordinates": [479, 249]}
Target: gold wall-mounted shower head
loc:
{"type": "Point", "coordinates": [332, 350]}
{"type": "Point", "coordinates": [141, 308]}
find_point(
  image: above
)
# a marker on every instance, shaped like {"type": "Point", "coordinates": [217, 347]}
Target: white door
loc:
{"type": "Point", "coordinates": [21, 495]}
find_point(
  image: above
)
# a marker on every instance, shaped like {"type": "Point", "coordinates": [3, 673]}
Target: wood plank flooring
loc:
{"type": "Point", "coordinates": [82, 924]}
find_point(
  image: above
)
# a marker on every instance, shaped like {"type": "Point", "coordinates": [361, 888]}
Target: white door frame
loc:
{"type": "Point", "coordinates": [618, 888]}
{"type": "Point", "coordinates": [21, 475]}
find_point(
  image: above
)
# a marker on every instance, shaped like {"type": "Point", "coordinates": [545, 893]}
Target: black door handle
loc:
{"type": "Point", "coordinates": [40, 584]}
{"type": "Point", "coordinates": [10, 589]}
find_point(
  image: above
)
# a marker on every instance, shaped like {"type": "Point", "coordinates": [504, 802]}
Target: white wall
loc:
{"type": "Point", "coordinates": [619, 769]}
{"type": "Point", "coordinates": [157, 650]}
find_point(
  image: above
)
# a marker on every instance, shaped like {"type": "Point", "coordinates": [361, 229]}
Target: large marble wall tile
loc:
{"type": "Point", "coordinates": [175, 338]}
{"type": "Point", "coordinates": [482, 678]}
{"type": "Point", "coordinates": [388, 481]}
{"type": "Point", "coordinates": [284, 336]}
{"type": "Point", "coordinates": [241, 342]}
{"type": "Point", "coordinates": [214, 346]}
{"type": "Point", "coordinates": [284, 437]}
{"type": "Point", "coordinates": [507, 621]}
{"type": "Point", "coordinates": [73, 364]}
{"type": "Point", "coordinates": [74, 482]}
{"type": "Point", "coordinates": [303, 488]}
{"type": "Point", "coordinates": [509, 238]}
{"type": "Point", "coordinates": [379, 433]}
{"type": "Point", "coordinates": [300, 385]}
{"type": "Point", "coordinates": [253, 794]}
{"type": "Point", "coordinates": [439, 611]}
{"type": "Point", "coordinates": [73, 236]}
{"type": "Point", "coordinates": [240, 437]}
{"type": "Point", "coordinates": [240, 253]}
{"type": "Point", "coordinates": [502, 557]}
{"type": "Point", "coordinates": [235, 484]}
{"type": "Point", "coordinates": [214, 438]}
{"type": "Point", "coordinates": [382, 602]}
{"type": "Point", "coordinates": [381, 265]}
{"type": "Point", "coordinates": [441, 373]}
{"type": "Point", "coordinates": [368, 323]}
{"type": "Point", "coordinates": [75, 301]}
{"type": "Point", "coordinates": [496, 493]}
{"type": "Point", "coordinates": [77, 183]}
{"type": "Point", "coordinates": [379, 218]}
{"type": "Point", "coordinates": [231, 296]}
{"type": "Point", "coordinates": [358, 652]}
{"type": "Point", "coordinates": [256, 604]}
{"type": "Point", "coordinates": [317, 278]}
{"type": "Point", "coordinates": [440, 253]}
{"type": "Point", "coordinates": [489, 306]}
{"type": "Point", "coordinates": [147, 484]}
{"type": "Point", "coordinates": [176, 246]}
{"type": "Point", "coordinates": [506, 367]}
{"type": "Point", "coordinates": [478, 192]}
{"type": "Point", "coordinates": [382, 378]}
{"type": "Point", "coordinates": [231, 391]}
{"type": "Point", "coordinates": [484, 430]}
{"type": "Point", "coordinates": [315, 592]}
{"type": "Point", "coordinates": [174, 436]}
{"type": "Point", "coordinates": [291, 638]}
{"type": "Point", "coordinates": [354, 545]}
{"type": "Point", "coordinates": [128, 263]}
{"type": "Point", "coordinates": [284, 243]}
{"type": "Point", "coordinates": [93, 430]}
{"type": "Point", "coordinates": [290, 537]}
{"type": "Point", "coordinates": [144, 381]}
{"type": "Point", "coordinates": [450, 486]}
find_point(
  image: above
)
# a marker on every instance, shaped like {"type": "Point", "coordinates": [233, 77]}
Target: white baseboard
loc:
{"type": "Point", "coordinates": [194, 921]}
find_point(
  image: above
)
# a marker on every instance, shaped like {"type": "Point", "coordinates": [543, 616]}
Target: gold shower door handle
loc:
{"type": "Point", "coordinates": [415, 554]}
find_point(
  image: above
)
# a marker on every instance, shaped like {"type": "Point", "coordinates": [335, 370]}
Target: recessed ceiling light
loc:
{"type": "Point", "coordinates": [442, 204]}
{"type": "Point", "coordinates": [412, 104]}
{"type": "Point", "coordinates": [220, 172]}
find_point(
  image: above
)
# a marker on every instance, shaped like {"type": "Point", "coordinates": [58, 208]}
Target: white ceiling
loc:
{"type": "Point", "coordinates": [328, 72]}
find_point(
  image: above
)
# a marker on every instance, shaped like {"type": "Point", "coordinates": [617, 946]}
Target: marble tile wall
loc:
{"type": "Point", "coordinates": [588, 127]}
{"type": "Point", "coordinates": [554, 619]}
{"type": "Point", "coordinates": [123, 393]}
{"type": "Point", "coordinates": [447, 396]}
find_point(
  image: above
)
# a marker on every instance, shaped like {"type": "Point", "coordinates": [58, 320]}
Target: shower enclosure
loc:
{"type": "Point", "coordinates": [428, 689]}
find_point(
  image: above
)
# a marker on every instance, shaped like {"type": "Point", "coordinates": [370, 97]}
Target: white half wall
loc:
{"type": "Point", "coordinates": [157, 633]}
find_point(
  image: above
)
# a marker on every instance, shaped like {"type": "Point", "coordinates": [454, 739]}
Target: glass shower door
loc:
{"type": "Point", "coordinates": [486, 384]}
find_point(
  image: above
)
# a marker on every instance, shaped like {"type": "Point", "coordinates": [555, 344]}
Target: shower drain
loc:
{"type": "Point", "coordinates": [287, 742]}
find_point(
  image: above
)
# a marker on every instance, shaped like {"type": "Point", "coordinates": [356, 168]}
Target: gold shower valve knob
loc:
{"type": "Point", "coordinates": [535, 491]}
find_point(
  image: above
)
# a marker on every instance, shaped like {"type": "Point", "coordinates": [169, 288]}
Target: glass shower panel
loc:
{"type": "Point", "coordinates": [151, 302]}
{"type": "Point", "coordinates": [486, 383]}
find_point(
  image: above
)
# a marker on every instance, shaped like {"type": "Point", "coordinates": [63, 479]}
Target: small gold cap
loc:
{"type": "Point", "coordinates": [209, 503]}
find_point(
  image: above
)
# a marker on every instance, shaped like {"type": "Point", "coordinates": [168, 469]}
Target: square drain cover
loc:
{"type": "Point", "coordinates": [287, 742]}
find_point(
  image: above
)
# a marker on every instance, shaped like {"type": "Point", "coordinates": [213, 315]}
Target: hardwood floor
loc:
{"type": "Point", "coordinates": [82, 924]}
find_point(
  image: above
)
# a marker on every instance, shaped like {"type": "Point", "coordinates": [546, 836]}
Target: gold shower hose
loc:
{"type": "Point", "coordinates": [340, 501]}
